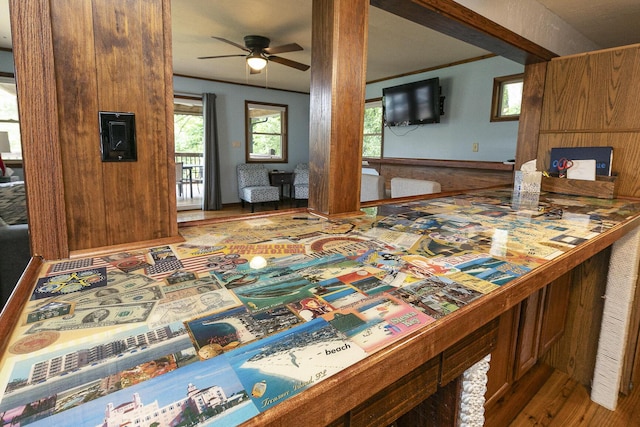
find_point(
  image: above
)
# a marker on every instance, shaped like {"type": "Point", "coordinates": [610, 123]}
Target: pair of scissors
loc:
{"type": "Point", "coordinates": [563, 165]}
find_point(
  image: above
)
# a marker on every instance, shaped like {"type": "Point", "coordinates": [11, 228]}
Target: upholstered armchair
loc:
{"type": "Point", "coordinates": [371, 187]}
{"type": "Point", "coordinates": [403, 187]}
{"type": "Point", "coordinates": [301, 182]}
{"type": "Point", "coordinates": [254, 186]}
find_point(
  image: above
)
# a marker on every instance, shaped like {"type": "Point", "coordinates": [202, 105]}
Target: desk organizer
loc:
{"type": "Point", "coordinates": [604, 187]}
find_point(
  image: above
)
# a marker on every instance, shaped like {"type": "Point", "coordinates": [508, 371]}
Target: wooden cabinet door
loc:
{"type": "Point", "coordinates": [525, 333]}
{"type": "Point", "coordinates": [528, 333]}
{"type": "Point", "coordinates": [500, 373]}
{"type": "Point", "coordinates": [554, 312]}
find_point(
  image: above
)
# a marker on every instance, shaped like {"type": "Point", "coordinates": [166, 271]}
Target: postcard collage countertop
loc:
{"type": "Point", "coordinates": [244, 314]}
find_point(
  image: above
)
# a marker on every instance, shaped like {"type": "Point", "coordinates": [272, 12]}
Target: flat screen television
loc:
{"type": "Point", "coordinates": [414, 103]}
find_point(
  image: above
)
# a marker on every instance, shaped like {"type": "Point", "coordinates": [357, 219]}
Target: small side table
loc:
{"type": "Point", "coordinates": [281, 178]}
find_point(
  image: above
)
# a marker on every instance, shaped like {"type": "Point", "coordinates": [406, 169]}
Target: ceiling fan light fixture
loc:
{"type": "Point", "coordinates": [256, 61]}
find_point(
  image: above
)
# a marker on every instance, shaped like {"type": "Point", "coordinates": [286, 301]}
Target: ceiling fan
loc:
{"type": "Point", "coordinates": [260, 53]}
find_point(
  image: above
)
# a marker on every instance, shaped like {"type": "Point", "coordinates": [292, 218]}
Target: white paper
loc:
{"type": "Point", "coordinates": [582, 169]}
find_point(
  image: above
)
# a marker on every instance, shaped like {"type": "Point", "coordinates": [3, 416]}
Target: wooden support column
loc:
{"type": "Point", "coordinates": [529, 127]}
{"type": "Point", "coordinates": [73, 59]}
{"type": "Point", "coordinates": [338, 71]}
{"type": "Point", "coordinates": [39, 131]}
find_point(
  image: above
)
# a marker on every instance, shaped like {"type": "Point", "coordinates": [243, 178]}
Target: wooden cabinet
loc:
{"type": "Point", "coordinates": [420, 394]}
{"type": "Point", "coordinates": [394, 401]}
{"type": "Point", "coordinates": [525, 333]}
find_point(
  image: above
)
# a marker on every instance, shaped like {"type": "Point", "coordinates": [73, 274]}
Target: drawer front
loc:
{"type": "Point", "coordinates": [466, 352]}
{"type": "Point", "coordinates": [281, 178]}
{"type": "Point", "coordinates": [397, 399]}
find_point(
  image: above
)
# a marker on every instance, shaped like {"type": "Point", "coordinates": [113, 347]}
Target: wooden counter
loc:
{"type": "Point", "coordinates": [456, 239]}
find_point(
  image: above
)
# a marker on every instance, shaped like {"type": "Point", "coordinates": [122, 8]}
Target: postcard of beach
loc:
{"type": "Point", "coordinates": [221, 332]}
{"type": "Point", "coordinates": [243, 275]}
{"type": "Point", "coordinates": [274, 291]}
{"type": "Point", "coordinates": [377, 321]}
{"type": "Point", "coordinates": [372, 285]}
{"type": "Point", "coordinates": [343, 297]}
{"type": "Point", "coordinates": [411, 221]}
{"type": "Point", "coordinates": [327, 267]}
{"type": "Point", "coordinates": [282, 365]}
{"type": "Point", "coordinates": [478, 271]}
{"type": "Point", "coordinates": [436, 296]}
{"type": "Point", "coordinates": [491, 269]}
{"type": "Point", "coordinates": [177, 392]}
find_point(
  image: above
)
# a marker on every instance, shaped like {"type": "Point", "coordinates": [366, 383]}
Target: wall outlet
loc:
{"type": "Point", "coordinates": [475, 147]}
{"type": "Point", "coordinates": [235, 144]}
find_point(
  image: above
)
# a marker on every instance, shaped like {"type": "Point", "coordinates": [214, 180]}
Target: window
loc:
{"type": "Point", "coordinates": [188, 125]}
{"type": "Point", "coordinates": [9, 117]}
{"type": "Point", "coordinates": [507, 98]}
{"type": "Point", "coordinates": [372, 134]}
{"type": "Point", "coordinates": [266, 132]}
{"type": "Point", "coordinates": [188, 132]}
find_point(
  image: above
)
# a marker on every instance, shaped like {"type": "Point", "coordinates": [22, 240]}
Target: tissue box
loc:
{"type": "Point", "coordinates": [527, 182]}
{"type": "Point", "coordinates": [525, 201]}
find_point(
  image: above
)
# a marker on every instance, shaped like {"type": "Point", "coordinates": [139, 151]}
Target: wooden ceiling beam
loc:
{"type": "Point", "coordinates": [462, 23]}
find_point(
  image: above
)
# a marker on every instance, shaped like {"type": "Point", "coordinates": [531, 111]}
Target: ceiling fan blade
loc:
{"type": "Point", "coordinates": [231, 43]}
{"type": "Point", "coordinates": [291, 47]}
{"type": "Point", "coordinates": [219, 56]}
{"type": "Point", "coordinates": [289, 63]}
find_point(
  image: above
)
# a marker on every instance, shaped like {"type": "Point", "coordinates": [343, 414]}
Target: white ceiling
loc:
{"type": "Point", "coordinates": [392, 41]}
{"type": "Point", "coordinates": [396, 46]}
{"type": "Point", "coordinates": [608, 23]}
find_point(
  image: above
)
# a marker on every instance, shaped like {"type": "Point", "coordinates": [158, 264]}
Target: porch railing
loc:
{"type": "Point", "coordinates": [192, 159]}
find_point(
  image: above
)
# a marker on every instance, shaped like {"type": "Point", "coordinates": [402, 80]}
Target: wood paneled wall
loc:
{"type": "Point", "coordinates": [453, 175]}
{"type": "Point", "coordinates": [592, 100]}
{"type": "Point", "coordinates": [104, 56]}
{"type": "Point", "coordinates": [575, 352]}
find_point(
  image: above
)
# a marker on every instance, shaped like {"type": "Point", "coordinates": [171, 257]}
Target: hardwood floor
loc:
{"type": "Point", "coordinates": [563, 402]}
{"type": "Point", "coordinates": [235, 209]}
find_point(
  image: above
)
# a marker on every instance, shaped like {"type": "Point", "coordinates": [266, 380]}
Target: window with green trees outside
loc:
{"type": "Point", "coordinates": [372, 134]}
